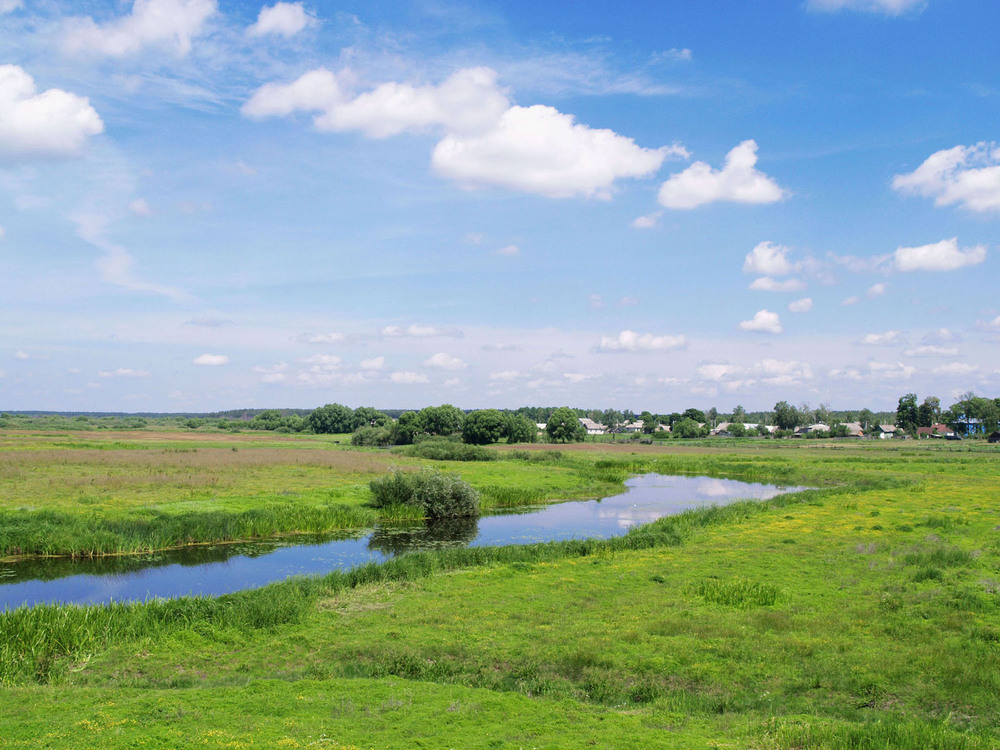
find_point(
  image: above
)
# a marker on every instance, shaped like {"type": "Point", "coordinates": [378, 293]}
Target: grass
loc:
{"type": "Point", "coordinates": [860, 615]}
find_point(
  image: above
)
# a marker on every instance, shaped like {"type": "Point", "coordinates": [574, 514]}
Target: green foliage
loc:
{"type": "Point", "coordinates": [483, 427]}
{"type": "Point", "coordinates": [564, 426]}
{"type": "Point", "coordinates": [737, 429]}
{"type": "Point", "coordinates": [687, 428]}
{"type": "Point", "coordinates": [443, 449]}
{"type": "Point", "coordinates": [519, 429]}
{"type": "Point", "coordinates": [372, 437]}
{"type": "Point", "coordinates": [440, 420]}
{"type": "Point", "coordinates": [331, 419]}
{"type": "Point", "coordinates": [695, 415]}
{"type": "Point", "coordinates": [906, 412]}
{"type": "Point", "coordinates": [367, 416]}
{"type": "Point", "coordinates": [786, 417]}
{"type": "Point", "coordinates": [437, 494]}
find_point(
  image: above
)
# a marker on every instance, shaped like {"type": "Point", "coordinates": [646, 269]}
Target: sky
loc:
{"type": "Point", "coordinates": [209, 205]}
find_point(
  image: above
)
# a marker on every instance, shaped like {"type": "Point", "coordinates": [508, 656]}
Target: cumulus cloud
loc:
{"type": "Point", "coordinates": [417, 331]}
{"type": "Point", "coordinates": [505, 375]}
{"type": "Point", "coordinates": [467, 102]}
{"type": "Point", "coordinates": [767, 284]}
{"type": "Point", "coordinates": [172, 23]}
{"type": "Point", "coordinates": [888, 7]}
{"type": "Point", "coordinates": [9, 6]}
{"type": "Point", "coordinates": [53, 123]}
{"type": "Point", "coordinates": [892, 370]}
{"type": "Point", "coordinates": [445, 361]}
{"type": "Point", "coordinates": [3, 233]}
{"type": "Point", "coordinates": [408, 378]}
{"type": "Point", "coordinates": [940, 256]}
{"type": "Point", "coordinates": [801, 305]}
{"type": "Point", "coordinates": [375, 363]}
{"type": "Point", "coordinates": [768, 259]}
{"type": "Point", "coordinates": [876, 290]}
{"type": "Point", "coordinates": [323, 338]}
{"type": "Point", "coordinates": [772, 372]}
{"type": "Point", "coordinates": [881, 339]}
{"type": "Point", "coordinates": [282, 19]}
{"type": "Point", "coordinates": [541, 150]}
{"type": "Point", "coordinates": [959, 369]}
{"type": "Point", "coordinates": [930, 350]}
{"type": "Point", "coordinates": [123, 372]}
{"type": "Point", "coordinates": [628, 301]}
{"type": "Point", "coordinates": [630, 341]}
{"type": "Point", "coordinates": [850, 301]}
{"type": "Point", "coordinates": [718, 372]}
{"type": "Point", "coordinates": [509, 250]}
{"type": "Point", "coordinates": [211, 360]}
{"type": "Point", "coordinates": [738, 181]}
{"type": "Point", "coordinates": [647, 221]}
{"type": "Point", "coordinates": [326, 361]}
{"type": "Point", "coordinates": [968, 176]}
{"type": "Point", "coordinates": [763, 321]}
{"type": "Point", "coordinates": [272, 373]}
{"type": "Point", "coordinates": [486, 141]}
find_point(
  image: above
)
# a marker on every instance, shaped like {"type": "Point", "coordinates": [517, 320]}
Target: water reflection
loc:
{"type": "Point", "coordinates": [223, 568]}
{"type": "Point", "coordinates": [437, 534]}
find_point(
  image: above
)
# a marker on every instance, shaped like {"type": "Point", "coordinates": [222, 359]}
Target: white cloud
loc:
{"type": "Point", "coordinates": [968, 176]}
{"type": "Point", "coordinates": [140, 207]}
{"type": "Point", "coordinates": [595, 302]}
{"type": "Point", "coordinates": [21, 354]}
{"type": "Point", "coordinates": [783, 372]}
{"type": "Point", "coordinates": [283, 19]}
{"type": "Point", "coordinates": [445, 361]}
{"type": "Point", "coordinates": [995, 323]}
{"type": "Point", "coordinates": [150, 23]}
{"type": "Point", "coordinates": [3, 233]}
{"type": "Point", "coordinates": [940, 256]}
{"type": "Point", "coordinates": [628, 301]}
{"type": "Point", "coordinates": [467, 102]}
{"type": "Point", "coordinates": [718, 372]}
{"type": "Point", "coordinates": [324, 361]}
{"type": "Point", "coordinates": [123, 372]}
{"type": "Point", "coordinates": [763, 321]}
{"type": "Point", "coordinates": [767, 284]}
{"type": "Point", "coordinates": [375, 363]}
{"type": "Point", "coordinates": [768, 259]}
{"type": "Point", "coordinates": [738, 181]}
{"type": "Point", "coordinates": [801, 305]}
{"type": "Point", "coordinates": [272, 374]}
{"type": "Point", "coordinates": [323, 338]}
{"type": "Point", "coordinates": [211, 360]}
{"type": "Point", "coordinates": [630, 341]}
{"type": "Point", "coordinates": [417, 331]}
{"type": "Point", "coordinates": [892, 371]}
{"type": "Point", "coordinates": [881, 339]}
{"type": "Point", "coordinates": [509, 250]}
{"type": "Point", "coordinates": [876, 290]}
{"type": "Point", "coordinates": [54, 123]}
{"type": "Point", "coordinates": [850, 301]}
{"type": "Point", "coordinates": [959, 369]}
{"type": "Point", "coordinates": [648, 221]}
{"type": "Point", "coordinates": [505, 375]}
{"type": "Point", "coordinates": [888, 7]}
{"type": "Point", "coordinates": [673, 55]}
{"type": "Point", "coordinates": [930, 350]}
{"type": "Point", "coordinates": [116, 266]}
{"type": "Point", "coordinates": [9, 6]}
{"type": "Point", "coordinates": [541, 150]}
{"type": "Point", "coordinates": [408, 378]}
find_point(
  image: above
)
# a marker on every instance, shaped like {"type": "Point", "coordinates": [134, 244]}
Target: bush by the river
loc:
{"type": "Point", "coordinates": [437, 494]}
{"type": "Point", "coordinates": [443, 449]}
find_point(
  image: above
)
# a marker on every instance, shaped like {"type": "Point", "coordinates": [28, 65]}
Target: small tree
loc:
{"type": "Point", "coordinates": [564, 426]}
{"type": "Point", "coordinates": [441, 420]}
{"type": "Point", "coordinates": [737, 429]}
{"type": "Point", "coordinates": [906, 412]}
{"type": "Point", "coordinates": [331, 419]}
{"type": "Point", "coordinates": [786, 417]}
{"type": "Point", "coordinates": [687, 428]}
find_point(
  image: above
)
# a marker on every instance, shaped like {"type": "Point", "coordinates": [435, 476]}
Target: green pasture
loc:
{"type": "Point", "coordinates": [861, 614]}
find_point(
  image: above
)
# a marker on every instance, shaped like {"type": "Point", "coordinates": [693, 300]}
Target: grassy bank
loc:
{"type": "Point", "coordinates": [86, 495]}
{"type": "Point", "coordinates": [864, 615]}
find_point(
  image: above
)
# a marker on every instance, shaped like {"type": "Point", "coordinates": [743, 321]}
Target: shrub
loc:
{"type": "Point", "coordinates": [377, 436]}
{"type": "Point", "coordinates": [443, 449]}
{"type": "Point", "coordinates": [438, 495]}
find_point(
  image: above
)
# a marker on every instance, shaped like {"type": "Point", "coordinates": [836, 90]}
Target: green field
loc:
{"type": "Point", "coordinates": [862, 614]}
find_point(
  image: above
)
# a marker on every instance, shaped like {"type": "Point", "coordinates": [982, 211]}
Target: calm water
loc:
{"type": "Point", "coordinates": [220, 569]}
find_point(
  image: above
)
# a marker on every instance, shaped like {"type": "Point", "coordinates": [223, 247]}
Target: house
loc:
{"type": "Point", "coordinates": [811, 428]}
{"type": "Point", "coordinates": [854, 429]}
{"type": "Point", "coordinates": [886, 431]}
{"type": "Point", "coordinates": [935, 431]}
{"type": "Point", "coordinates": [592, 427]}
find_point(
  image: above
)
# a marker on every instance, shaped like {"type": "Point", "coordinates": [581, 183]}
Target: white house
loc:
{"type": "Point", "coordinates": [592, 427]}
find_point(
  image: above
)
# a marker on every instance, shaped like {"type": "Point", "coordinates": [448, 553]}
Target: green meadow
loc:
{"type": "Point", "coordinates": [864, 613]}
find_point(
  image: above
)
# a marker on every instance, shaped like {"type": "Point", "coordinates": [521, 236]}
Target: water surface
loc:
{"type": "Point", "coordinates": [224, 568]}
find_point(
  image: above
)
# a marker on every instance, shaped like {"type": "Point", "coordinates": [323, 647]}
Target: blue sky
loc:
{"type": "Point", "coordinates": [209, 205]}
